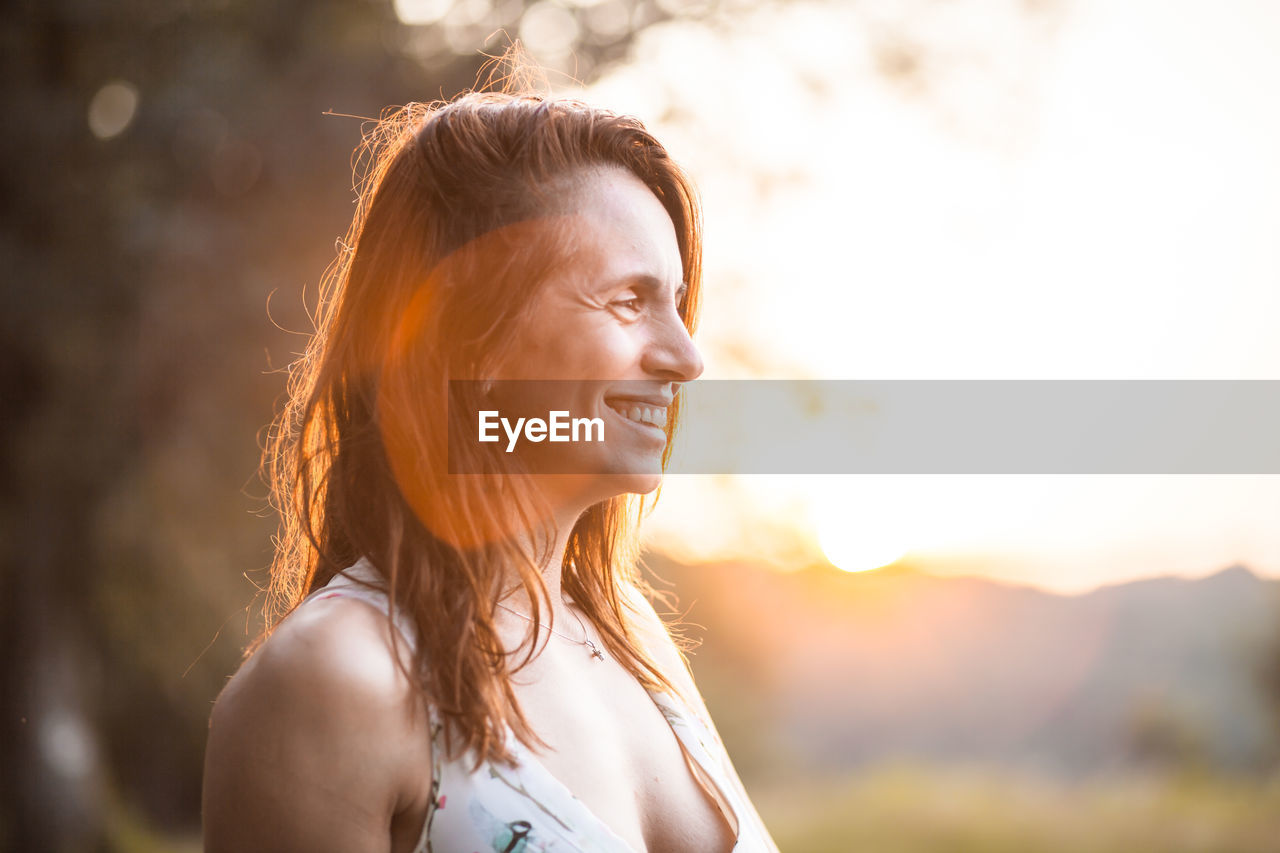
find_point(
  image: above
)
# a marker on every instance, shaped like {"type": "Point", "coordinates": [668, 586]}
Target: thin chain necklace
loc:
{"type": "Point", "coordinates": [592, 647]}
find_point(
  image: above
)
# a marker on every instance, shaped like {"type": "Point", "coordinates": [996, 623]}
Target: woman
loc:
{"type": "Point", "coordinates": [469, 661]}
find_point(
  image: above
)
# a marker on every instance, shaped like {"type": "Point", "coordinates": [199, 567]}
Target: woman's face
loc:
{"type": "Point", "coordinates": [604, 340]}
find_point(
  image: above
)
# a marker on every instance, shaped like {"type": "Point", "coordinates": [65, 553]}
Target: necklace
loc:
{"type": "Point", "coordinates": [592, 647]}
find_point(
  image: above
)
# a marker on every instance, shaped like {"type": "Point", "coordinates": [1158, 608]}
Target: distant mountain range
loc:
{"type": "Point", "coordinates": [826, 670]}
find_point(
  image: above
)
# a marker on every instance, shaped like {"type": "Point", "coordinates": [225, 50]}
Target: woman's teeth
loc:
{"type": "Point", "coordinates": [642, 414]}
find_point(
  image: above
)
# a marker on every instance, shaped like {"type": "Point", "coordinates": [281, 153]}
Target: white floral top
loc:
{"type": "Point", "coordinates": [522, 808]}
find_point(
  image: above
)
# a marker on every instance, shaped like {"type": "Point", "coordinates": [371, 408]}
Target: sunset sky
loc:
{"type": "Point", "coordinates": [1093, 193]}
{"type": "Point", "coordinates": [914, 190]}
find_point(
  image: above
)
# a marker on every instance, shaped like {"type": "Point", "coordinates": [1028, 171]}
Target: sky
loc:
{"type": "Point", "coordinates": [1088, 193]}
{"type": "Point", "coordinates": [902, 189]}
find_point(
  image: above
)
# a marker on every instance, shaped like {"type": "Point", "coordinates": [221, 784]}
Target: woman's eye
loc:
{"type": "Point", "coordinates": [630, 304]}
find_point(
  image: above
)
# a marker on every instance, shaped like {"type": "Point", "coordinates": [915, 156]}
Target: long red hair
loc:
{"type": "Point", "coordinates": [455, 228]}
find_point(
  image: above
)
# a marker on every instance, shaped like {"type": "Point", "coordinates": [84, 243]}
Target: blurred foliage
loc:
{"type": "Point", "coordinates": [913, 809]}
{"type": "Point", "coordinates": [1162, 738]}
{"type": "Point", "coordinates": [1265, 665]}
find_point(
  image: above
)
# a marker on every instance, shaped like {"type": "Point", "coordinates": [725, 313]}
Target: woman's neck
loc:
{"type": "Point", "coordinates": [549, 560]}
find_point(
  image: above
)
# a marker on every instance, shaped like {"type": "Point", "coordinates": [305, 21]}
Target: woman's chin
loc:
{"type": "Point", "coordinates": [640, 484]}
{"type": "Point", "coordinates": [617, 483]}
{"type": "Point", "coordinates": [588, 489]}
{"type": "Point", "coordinates": [637, 473]}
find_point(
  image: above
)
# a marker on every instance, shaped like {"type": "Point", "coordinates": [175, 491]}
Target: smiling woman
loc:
{"type": "Point", "coordinates": [468, 661]}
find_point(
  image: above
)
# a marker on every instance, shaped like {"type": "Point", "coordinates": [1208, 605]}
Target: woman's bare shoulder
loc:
{"type": "Point", "coordinates": [334, 645]}
{"type": "Point", "coordinates": [319, 739]}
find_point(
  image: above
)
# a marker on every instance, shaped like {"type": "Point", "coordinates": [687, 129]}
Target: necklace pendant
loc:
{"type": "Point", "coordinates": [595, 650]}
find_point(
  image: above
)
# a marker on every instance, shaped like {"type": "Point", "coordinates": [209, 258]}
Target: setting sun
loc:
{"type": "Point", "coordinates": [852, 550]}
{"type": "Point", "coordinates": [857, 535]}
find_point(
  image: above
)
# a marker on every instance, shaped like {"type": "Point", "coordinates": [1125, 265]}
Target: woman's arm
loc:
{"type": "Point", "coordinates": [318, 743]}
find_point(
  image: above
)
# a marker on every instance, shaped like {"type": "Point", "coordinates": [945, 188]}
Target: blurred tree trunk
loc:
{"type": "Point", "coordinates": [65, 433]}
{"type": "Point", "coordinates": [50, 757]}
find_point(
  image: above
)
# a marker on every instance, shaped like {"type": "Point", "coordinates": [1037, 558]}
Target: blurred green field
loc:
{"type": "Point", "coordinates": [911, 809]}
{"type": "Point", "coordinates": [919, 809]}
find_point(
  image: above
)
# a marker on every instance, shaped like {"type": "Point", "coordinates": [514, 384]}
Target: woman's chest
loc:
{"type": "Point", "coordinates": [612, 749]}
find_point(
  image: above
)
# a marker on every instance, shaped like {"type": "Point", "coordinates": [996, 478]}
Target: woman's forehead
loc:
{"type": "Point", "coordinates": [617, 222]}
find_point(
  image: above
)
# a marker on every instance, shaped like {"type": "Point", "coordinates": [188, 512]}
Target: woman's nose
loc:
{"type": "Point", "coordinates": [672, 354]}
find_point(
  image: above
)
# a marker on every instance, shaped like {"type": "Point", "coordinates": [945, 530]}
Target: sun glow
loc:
{"type": "Point", "coordinates": [851, 549]}
{"type": "Point", "coordinates": [860, 527]}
